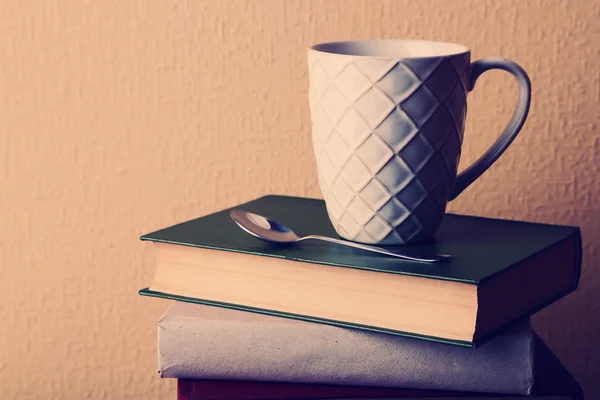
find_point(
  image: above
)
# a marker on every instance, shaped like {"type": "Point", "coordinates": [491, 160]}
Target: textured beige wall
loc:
{"type": "Point", "coordinates": [120, 117]}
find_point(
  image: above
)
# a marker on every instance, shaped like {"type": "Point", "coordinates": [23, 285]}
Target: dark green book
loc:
{"type": "Point", "coordinates": [501, 272]}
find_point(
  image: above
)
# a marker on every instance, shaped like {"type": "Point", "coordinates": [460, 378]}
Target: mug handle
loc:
{"type": "Point", "coordinates": [469, 175]}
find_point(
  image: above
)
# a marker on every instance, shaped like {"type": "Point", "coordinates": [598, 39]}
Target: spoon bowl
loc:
{"type": "Point", "coordinates": [263, 228]}
{"type": "Point", "coordinates": [274, 232]}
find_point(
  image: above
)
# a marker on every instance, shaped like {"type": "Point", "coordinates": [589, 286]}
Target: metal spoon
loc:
{"type": "Point", "coordinates": [272, 231]}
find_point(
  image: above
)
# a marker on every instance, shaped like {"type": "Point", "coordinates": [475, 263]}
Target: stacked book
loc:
{"type": "Point", "coordinates": [253, 320]}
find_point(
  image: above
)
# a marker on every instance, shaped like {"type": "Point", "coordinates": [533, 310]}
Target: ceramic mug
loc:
{"type": "Point", "coordinates": [387, 128]}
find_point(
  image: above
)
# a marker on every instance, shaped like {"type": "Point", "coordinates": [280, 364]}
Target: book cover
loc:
{"type": "Point", "coordinates": [480, 247]}
{"type": "Point", "coordinates": [483, 249]}
{"type": "Point", "coordinates": [213, 343]}
{"type": "Point", "coordinates": [552, 382]}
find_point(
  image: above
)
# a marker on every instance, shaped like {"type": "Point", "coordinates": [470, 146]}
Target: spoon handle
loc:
{"type": "Point", "coordinates": [375, 249]}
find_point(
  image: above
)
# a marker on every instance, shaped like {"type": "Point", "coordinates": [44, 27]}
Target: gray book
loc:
{"type": "Point", "coordinates": [203, 342]}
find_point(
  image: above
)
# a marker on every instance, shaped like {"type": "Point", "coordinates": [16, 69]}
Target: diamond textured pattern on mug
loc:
{"type": "Point", "coordinates": [460, 62]}
{"type": "Point", "coordinates": [427, 210]}
{"type": "Point", "coordinates": [374, 68]}
{"type": "Point", "coordinates": [399, 83]}
{"type": "Point", "coordinates": [432, 173]}
{"type": "Point", "coordinates": [400, 138]}
{"type": "Point", "coordinates": [420, 105]}
{"type": "Point", "coordinates": [319, 80]}
{"type": "Point", "coordinates": [374, 106]}
{"type": "Point", "coordinates": [377, 228]}
{"type": "Point", "coordinates": [413, 195]}
{"type": "Point", "coordinates": [352, 83]}
{"type": "Point", "coordinates": [397, 129]}
{"type": "Point", "coordinates": [337, 150]}
{"type": "Point", "coordinates": [327, 169]}
{"type": "Point", "coordinates": [333, 65]}
{"type": "Point", "coordinates": [313, 99]}
{"type": "Point", "coordinates": [375, 194]}
{"type": "Point", "coordinates": [363, 237]}
{"type": "Point", "coordinates": [334, 104]}
{"type": "Point", "coordinates": [450, 149]}
{"type": "Point", "coordinates": [356, 174]}
{"type": "Point", "coordinates": [375, 153]}
{"type": "Point", "coordinates": [409, 228]}
{"type": "Point", "coordinates": [321, 127]}
{"type": "Point", "coordinates": [461, 123]}
{"type": "Point", "coordinates": [392, 239]}
{"type": "Point", "coordinates": [359, 211]}
{"type": "Point", "coordinates": [354, 127]}
{"type": "Point", "coordinates": [393, 212]}
{"type": "Point", "coordinates": [443, 79]}
{"type": "Point", "coordinates": [456, 102]}
{"type": "Point", "coordinates": [442, 191]}
{"type": "Point", "coordinates": [342, 192]}
{"type": "Point", "coordinates": [349, 225]}
{"type": "Point", "coordinates": [423, 67]}
{"type": "Point", "coordinates": [438, 127]}
{"type": "Point", "coordinates": [395, 175]}
{"type": "Point", "coordinates": [416, 153]}
{"type": "Point", "coordinates": [334, 208]}
{"type": "Point", "coordinates": [464, 81]}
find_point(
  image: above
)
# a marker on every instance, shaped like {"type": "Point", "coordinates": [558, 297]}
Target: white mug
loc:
{"type": "Point", "coordinates": [387, 128]}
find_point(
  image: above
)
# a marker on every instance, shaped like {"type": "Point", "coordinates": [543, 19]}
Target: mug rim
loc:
{"type": "Point", "coordinates": [325, 48]}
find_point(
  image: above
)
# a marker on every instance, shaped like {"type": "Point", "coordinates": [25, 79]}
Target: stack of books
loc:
{"type": "Point", "coordinates": [254, 320]}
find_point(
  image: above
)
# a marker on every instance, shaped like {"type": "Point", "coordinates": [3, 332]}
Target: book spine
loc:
{"type": "Point", "coordinates": [284, 350]}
